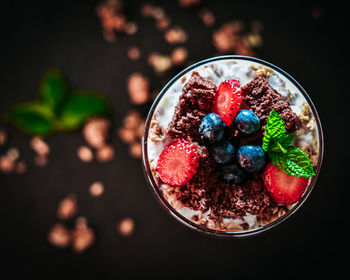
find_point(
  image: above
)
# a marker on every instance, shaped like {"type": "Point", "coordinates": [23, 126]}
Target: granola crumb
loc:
{"type": "Point", "coordinates": [96, 189]}
{"type": "Point", "coordinates": [67, 207]}
{"type": "Point", "coordinates": [207, 17]}
{"type": "Point", "coordinates": [134, 53]}
{"type": "Point", "coordinates": [13, 154]}
{"type": "Point", "coordinates": [163, 23]}
{"type": "Point", "coordinates": [179, 55]}
{"type": "Point", "coordinates": [60, 236]}
{"type": "Point", "coordinates": [40, 161]}
{"type": "Point", "coordinates": [130, 28]}
{"type": "Point", "coordinates": [83, 236]}
{"type": "Point", "coordinates": [229, 38]}
{"type": "Point", "coordinates": [160, 63]}
{"type": "Point", "coordinates": [175, 35]}
{"type": "Point", "coordinates": [3, 137]}
{"type": "Point", "coordinates": [6, 164]}
{"type": "Point", "coordinates": [112, 18]}
{"type": "Point", "coordinates": [127, 135]}
{"type": "Point", "coordinates": [126, 227]}
{"type": "Point", "coordinates": [105, 153]}
{"type": "Point", "coordinates": [95, 132]}
{"type": "Point", "coordinates": [40, 146]}
{"type": "Point", "coordinates": [188, 3]}
{"type": "Point", "coordinates": [21, 167]}
{"type": "Point", "coordinates": [85, 154]}
{"type": "Point", "coordinates": [136, 150]}
{"type": "Point", "coordinates": [138, 88]}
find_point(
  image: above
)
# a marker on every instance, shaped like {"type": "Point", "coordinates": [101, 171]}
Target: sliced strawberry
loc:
{"type": "Point", "coordinates": [227, 101]}
{"type": "Point", "coordinates": [177, 163]}
{"type": "Point", "coordinates": [283, 188]}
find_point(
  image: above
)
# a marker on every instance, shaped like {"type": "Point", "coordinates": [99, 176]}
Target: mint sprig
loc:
{"type": "Point", "coordinates": [57, 108]}
{"type": "Point", "coordinates": [277, 144]}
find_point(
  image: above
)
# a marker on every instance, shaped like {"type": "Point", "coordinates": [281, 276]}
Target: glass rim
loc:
{"type": "Point", "coordinates": [209, 231]}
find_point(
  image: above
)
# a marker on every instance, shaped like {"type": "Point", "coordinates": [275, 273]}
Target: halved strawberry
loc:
{"type": "Point", "coordinates": [227, 101]}
{"type": "Point", "coordinates": [178, 163]}
{"type": "Point", "coordinates": [283, 188]}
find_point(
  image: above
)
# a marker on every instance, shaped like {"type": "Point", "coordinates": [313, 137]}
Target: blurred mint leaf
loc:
{"type": "Point", "coordinates": [81, 106]}
{"type": "Point", "coordinates": [286, 140]}
{"type": "Point", "coordinates": [53, 89]}
{"type": "Point", "coordinates": [32, 117]}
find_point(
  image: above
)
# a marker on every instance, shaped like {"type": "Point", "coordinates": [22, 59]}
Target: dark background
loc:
{"type": "Point", "coordinates": [36, 35]}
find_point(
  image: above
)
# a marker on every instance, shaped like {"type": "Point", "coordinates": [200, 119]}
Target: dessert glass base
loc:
{"type": "Point", "coordinates": [309, 139]}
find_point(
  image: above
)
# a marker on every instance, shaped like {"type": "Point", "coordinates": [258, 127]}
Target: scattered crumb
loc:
{"type": "Point", "coordinates": [85, 154]}
{"type": "Point", "coordinates": [3, 137]}
{"type": "Point", "coordinates": [13, 154]}
{"type": "Point", "coordinates": [179, 55]}
{"type": "Point", "coordinates": [95, 132]}
{"type": "Point", "coordinates": [147, 10]}
{"type": "Point", "coordinates": [21, 167]}
{"type": "Point", "coordinates": [138, 87]}
{"type": "Point", "coordinates": [160, 63]}
{"type": "Point", "coordinates": [136, 150]}
{"type": "Point", "coordinates": [105, 153]}
{"type": "Point", "coordinates": [127, 135]}
{"type": "Point", "coordinates": [96, 189]}
{"type": "Point", "coordinates": [132, 132]}
{"type": "Point", "coordinates": [254, 40]}
{"type": "Point", "coordinates": [207, 17]}
{"type": "Point", "coordinates": [112, 18]}
{"type": "Point", "coordinates": [188, 3]}
{"type": "Point", "coordinates": [83, 236]}
{"type": "Point", "coordinates": [67, 207]}
{"type": "Point", "coordinates": [175, 35]}
{"type": "Point", "coordinates": [6, 164]}
{"type": "Point", "coordinates": [39, 146]}
{"type": "Point", "coordinates": [130, 28]}
{"type": "Point", "coordinates": [60, 236]}
{"type": "Point", "coordinates": [231, 39]}
{"type": "Point", "coordinates": [40, 160]}
{"type": "Point", "coordinates": [132, 119]}
{"type": "Point", "coordinates": [163, 23]}
{"type": "Point", "coordinates": [134, 53]}
{"type": "Point", "coordinates": [126, 227]}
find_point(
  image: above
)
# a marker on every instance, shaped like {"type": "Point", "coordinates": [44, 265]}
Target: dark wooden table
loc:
{"type": "Point", "coordinates": [66, 34]}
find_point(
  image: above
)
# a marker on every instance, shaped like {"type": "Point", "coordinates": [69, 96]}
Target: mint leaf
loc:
{"type": "Point", "coordinates": [294, 162]}
{"type": "Point", "coordinates": [286, 140]}
{"type": "Point", "coordinates": [32, 117]}
{"type": "Point", "coordinates": [274, 130]}
{"type": "Point", "coordinates": [277, 147]}
{"type": "Point", "coordinates": [53, 89]}
{"type": "Point", "coordinates": [80, 107]}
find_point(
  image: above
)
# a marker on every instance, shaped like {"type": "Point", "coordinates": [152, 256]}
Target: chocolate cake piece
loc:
{"type": "Point", "coordinates": [195, 102]}
{"type": "Point", "coordinates": [262, 99]}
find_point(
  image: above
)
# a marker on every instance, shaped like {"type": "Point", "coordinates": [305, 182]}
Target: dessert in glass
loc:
{"type": "Point", "coordinates": [233, 146]}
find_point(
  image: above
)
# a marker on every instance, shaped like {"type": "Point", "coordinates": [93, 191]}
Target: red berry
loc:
{"type": "Point", "coordinates": [178, 163]}
{"type": "Point", "coordinates": [283, 188]}
{"type": "Point", "coordinates": [227, 101]}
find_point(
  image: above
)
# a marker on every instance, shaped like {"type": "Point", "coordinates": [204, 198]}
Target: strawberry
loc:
{"type": "Point", "coordinates": [178, 163]}
{"type": "Point", "coordinates": [227, 101]}
{"type": "Point", "coordinates": [283, 188]}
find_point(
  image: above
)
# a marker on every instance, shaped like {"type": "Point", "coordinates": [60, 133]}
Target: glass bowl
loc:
{"type": "Point", "coordinates": [204, 64]}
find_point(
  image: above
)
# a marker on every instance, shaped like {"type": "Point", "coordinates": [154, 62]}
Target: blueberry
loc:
{"type": "Point", "coordinates": [247, 122]}
{"type": "Point", "coordinates": [222, 152]}
{"type": "Point", "coordinates": [212, 128]}
{"type": "Point", "coordinates": [232, 172]}
{"type": "Point", "coordinates": [251, 158]}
